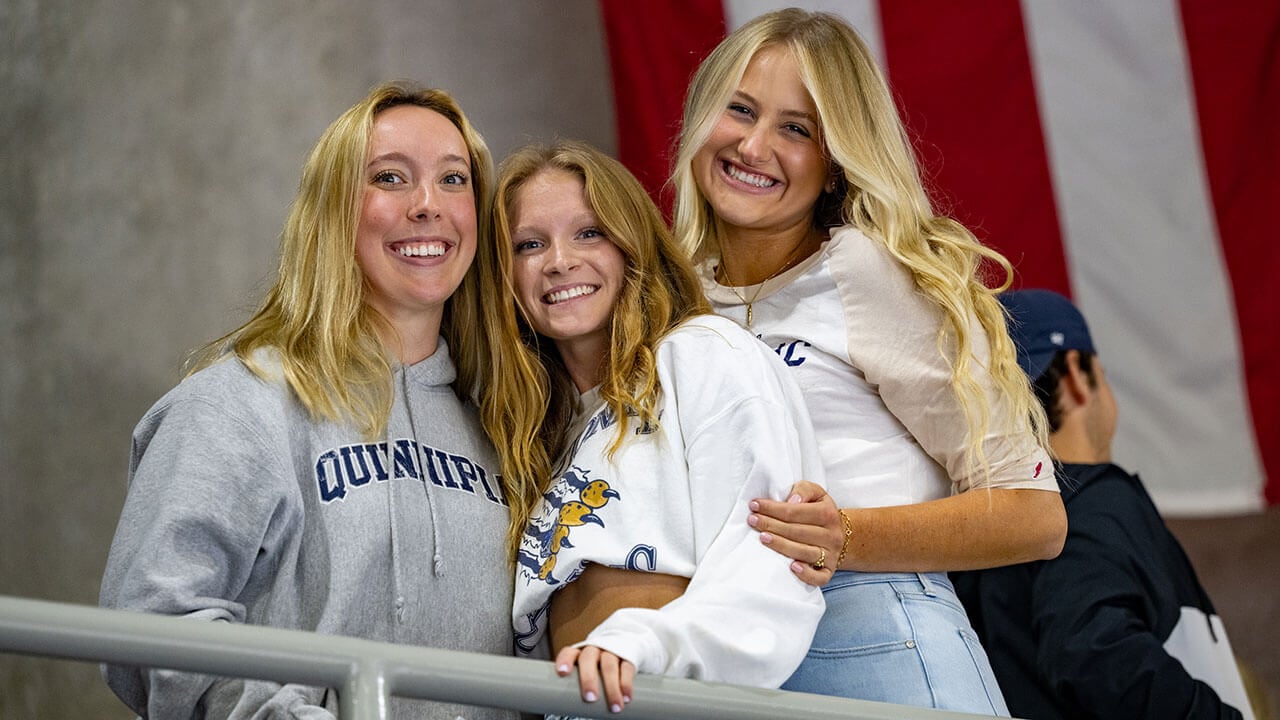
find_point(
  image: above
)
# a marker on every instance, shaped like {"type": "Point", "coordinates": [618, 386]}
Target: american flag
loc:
{"type": "Point", "coordinates": [1126, 154]}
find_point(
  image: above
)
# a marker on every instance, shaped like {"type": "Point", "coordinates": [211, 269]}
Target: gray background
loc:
{"type": "Point", "coordinates": [150, 151]}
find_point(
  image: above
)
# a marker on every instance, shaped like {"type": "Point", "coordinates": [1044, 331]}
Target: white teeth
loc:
{"type": "Point", "coordinates": [434, 249]}
{"type": "Point", "coordinates": [560, 296]}
{"type": "Point", "coordinates": [759, 181]}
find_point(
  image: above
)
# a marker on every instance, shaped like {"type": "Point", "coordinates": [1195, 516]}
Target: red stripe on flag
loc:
{"type": "Point", "coordinates": [654, 49]}
{"type": "Point", "coordinates": [1234, 51]}
{"type": "Point", "coordinates": [964, 85]}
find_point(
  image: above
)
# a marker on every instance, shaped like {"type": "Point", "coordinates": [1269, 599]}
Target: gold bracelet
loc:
{"type": "Point", "coordinates": [848, 533]}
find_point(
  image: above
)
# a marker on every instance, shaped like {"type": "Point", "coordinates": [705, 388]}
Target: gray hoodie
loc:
{"type": "Point", "coordinates": [242, 508]}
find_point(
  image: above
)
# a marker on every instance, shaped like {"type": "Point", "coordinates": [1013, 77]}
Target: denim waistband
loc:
{"type": "Point", "coordinates": [927, 583]}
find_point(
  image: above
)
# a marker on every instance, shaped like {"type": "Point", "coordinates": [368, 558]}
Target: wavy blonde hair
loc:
{"type": "Point", "coordinates": [526, 396]}
{"type": "Point", "coordinates": [315, 317]}
{"type": "Point", "coordinates": [878, 190]}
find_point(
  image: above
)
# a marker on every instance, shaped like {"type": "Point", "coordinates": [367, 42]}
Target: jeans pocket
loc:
{"type": "Point", "coordinates": [853, 651]}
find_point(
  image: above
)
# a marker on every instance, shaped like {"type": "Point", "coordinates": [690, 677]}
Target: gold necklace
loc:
{"type": "Point", "coordinates": [787, 263]}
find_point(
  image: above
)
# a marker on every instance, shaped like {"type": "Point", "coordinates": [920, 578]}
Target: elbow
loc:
{"type": "Point", "coordinates": [1053, 530]}
{"type": "Point", "coordinates": [1041, 525]}
{"type": "Point", "coordinates": [1052, 546]}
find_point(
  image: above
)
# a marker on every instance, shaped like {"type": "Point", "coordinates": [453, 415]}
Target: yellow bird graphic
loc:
{"type": "Point", "coordinates": [574, 513]}
{"type": "Point", "coordinates": [597, 493]}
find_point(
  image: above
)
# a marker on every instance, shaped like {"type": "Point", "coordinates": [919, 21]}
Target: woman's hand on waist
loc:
{"type": "Point", "coordinates": [807, 527]}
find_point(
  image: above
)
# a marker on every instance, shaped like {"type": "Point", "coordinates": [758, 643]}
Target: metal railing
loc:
{"type": "Point", "coordinates": [366, 673]}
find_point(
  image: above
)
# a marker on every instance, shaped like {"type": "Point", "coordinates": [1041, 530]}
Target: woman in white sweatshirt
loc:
{"type": "Point", "coordinates": [633, 427]}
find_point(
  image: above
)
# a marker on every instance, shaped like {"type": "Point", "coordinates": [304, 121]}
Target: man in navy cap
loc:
{"type": "Point", "coordinates": [1118, 625]}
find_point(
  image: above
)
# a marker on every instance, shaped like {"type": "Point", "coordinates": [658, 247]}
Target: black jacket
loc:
{"type": "Point", "coordinates": [1084, 635]}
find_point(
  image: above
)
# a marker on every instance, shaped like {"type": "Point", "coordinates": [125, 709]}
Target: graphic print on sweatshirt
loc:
{"type": "Point", "coordinates": [579, 498]}
{"type": "Point", "coordinates": [572, 502]}
{"type": "Point", "coordinates": [349, 468]}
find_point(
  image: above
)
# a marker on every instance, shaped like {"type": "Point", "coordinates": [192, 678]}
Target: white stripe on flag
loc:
{"type": "Point", "coordinates": [1142, 246]}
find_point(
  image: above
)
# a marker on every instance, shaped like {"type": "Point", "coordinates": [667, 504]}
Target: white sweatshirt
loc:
{"type": "Point", "coordinates": [673, 500]}
{"type": "Point", "coordinates": [862, 341]}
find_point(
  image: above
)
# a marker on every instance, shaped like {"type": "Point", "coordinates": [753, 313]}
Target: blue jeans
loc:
{"type": "Point", "coordinates": [900, 638]}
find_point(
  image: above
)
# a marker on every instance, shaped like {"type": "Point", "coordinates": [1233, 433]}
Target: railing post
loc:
{"type": "Point", "coordinates": [364, 695]}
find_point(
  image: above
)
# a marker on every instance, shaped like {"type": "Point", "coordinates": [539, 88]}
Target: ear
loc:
{"type": "Point", "coordinates": [1074, 384]}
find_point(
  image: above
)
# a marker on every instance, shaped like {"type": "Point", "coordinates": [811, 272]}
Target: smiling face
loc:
{"type": "Point", "coordinates": [763, 166]}
{"type": "Point", "coordinates": [417, 232]}
{"type": "Point", "coordinates": [566, 271]}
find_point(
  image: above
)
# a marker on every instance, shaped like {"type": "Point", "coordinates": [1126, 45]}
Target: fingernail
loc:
{"type": "Point", "coordinates": [793, 499]}
{"type": "Point", "coordinates": [753, 520]}
{"type": "Point", "coordinates": [766, 538]}
{"type": "Point", "coordinates": [797, 567]}
{"type": "Point", "coordinates": [589, 697]}
{"type": "Point", "coordinates": [562, 669]}
{"type": "Point", "coordinates": [754, 505]}
{"type": "Point", "coordinates": [615, 708]}
{"type": "Point", "coordinates": [626, 699]}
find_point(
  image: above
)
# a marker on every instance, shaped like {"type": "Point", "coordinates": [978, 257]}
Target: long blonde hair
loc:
{"type": "Point", "coordinates": [878, 190]}
{"type": "Point", "coordinates": [526, 397]}
{"type": "Point", "coordinates": [315, 317]}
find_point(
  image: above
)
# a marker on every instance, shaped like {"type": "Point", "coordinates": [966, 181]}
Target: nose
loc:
{"type": "Point", "coordinates": [422, 204]}
{"type": "Point", "coordinates": [561, 257]}
{"type": "Point", "coordinates": [754, 147]}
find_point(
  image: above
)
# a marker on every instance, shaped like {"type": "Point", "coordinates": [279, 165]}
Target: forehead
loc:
{"type": "Point", "coordinates": [549, 185]}
{"type": "Point", "coordinates": [416, 131]}
{"type": "Point", "coordinates": [773, 75]}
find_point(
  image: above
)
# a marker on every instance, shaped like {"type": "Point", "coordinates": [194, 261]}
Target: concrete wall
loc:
{"type": "Point", "coordinates": [149, 151]}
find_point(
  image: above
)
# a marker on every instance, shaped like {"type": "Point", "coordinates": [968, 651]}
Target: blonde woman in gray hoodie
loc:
{"type": "Point", "coordinates": [316, 470]}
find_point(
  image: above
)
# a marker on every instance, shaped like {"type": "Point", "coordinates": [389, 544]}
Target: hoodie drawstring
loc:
{"type": "Point", "coordinates": [391, 520]}
{"type": "Point", "coordinates": [394, 474]}
{"type": "Point", "coordinates": [437, 560]}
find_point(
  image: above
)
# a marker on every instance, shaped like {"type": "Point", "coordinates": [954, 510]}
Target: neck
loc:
{"type": "Point", "coordinates": [584, 362]}
{"type": "Point", "coordinates": [750, 257]}
{"type": "Point", "coordinates": [412, 344]}
{"type": "Point", "coordinates": [1069, 446]}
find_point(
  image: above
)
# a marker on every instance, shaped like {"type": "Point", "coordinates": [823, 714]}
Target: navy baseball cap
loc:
{"type": "Point", "coordinates": [1042, 322]}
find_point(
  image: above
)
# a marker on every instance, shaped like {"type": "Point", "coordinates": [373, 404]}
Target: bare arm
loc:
{"type": "Point", "coordinates": [892, 337]}
{"type": "Point", "coordinates": [969, 531]}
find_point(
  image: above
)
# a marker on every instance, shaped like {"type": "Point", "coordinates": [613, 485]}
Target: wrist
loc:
{"type": "Point", "coordinates": [848, 533]}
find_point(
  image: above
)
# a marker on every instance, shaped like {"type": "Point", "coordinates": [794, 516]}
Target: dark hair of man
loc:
{"type": "Point", "coordinates": [1046, 386]}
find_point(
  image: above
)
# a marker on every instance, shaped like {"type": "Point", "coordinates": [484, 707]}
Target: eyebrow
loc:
{"type": "Point", "coordinates": [585, 220]}
{"type": "Point", "coordinates": [786, 113]}
{"type": "Point", "coordinates": [405, 158]}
